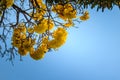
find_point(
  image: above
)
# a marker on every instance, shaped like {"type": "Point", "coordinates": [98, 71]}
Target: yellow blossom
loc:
{"type": "Point", "coordinates": [30, 30]}
{"type": "Point", "coordinates": [85, 16]}
{"type": "Point", "coordinates": [60, 36]}
{"type": "Point", "coordinates": [68, 6]}
{"type": "Point", "coordinates": [62, 16]}
{"type": "Point", "coordinates": [22, 51]}
{"type": "Point", "coordinates": [40, 28]}
{"type": "Point", "coordinates": [65, 11]}
{"type": "Point", "coordinates": [19, 34]}
{"type": "Point", "coordinates": [55, 44]}
{"type": "Point", "coordinates": [28, 44]}
{"type": "Point", "coordinates": [38, 15]}
{"type": "Point", "coordinates": [39, 53]}
{"type": "Point", "coordinates": [17, 38]}
{"type": "Point", "coordinates": [16, 43]}
{"type": "Point", "coordinates": [44, 25]}
{"type": "Point", "coordinates": [44, 47]}
{"type": "Point", "coordinates": [59, 33]}
{"type": "Point", "coordinates": [6, 3]}
{"type": "Point", "coordinates": [57, 8]}
{"type": "Point", "coordinates": [69, 11]}
{"type": "Point", "coordinates": [45, 40]}
{"type": "Point", "coordinates": [39, 2]}
{"type": "Point", "coordinates": [50, 24]}
{"type": "Point", "coordinates": [43, 6]}
{"type": "Point", "coordinates": [68, 24]}
{"type": "Point", "coordinates": [22, 27]}
{"type": "Point", "coordinates": [9, 3]}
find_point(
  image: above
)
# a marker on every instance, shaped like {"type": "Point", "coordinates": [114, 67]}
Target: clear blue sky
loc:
{"type": "Point", "coordinates": [92, 52]}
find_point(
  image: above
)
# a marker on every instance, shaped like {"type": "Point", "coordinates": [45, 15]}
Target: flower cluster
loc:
{"type": "Point", "coordinates": [39, 3]}
{"type": "Point", "coordinates": [38, 15]}
{"type": "Point", "coordinates": [39, 53]}
{"type": "Point", "coordinates": [4, 4]}
{"type": "Point", "coordinates": [25, 44]}
{"type": "Point", "coordinates": [60, 36]}
{"type": "Point", "coordinates": [65, 11]}
{"type": "Point", "coordinates": [25, 36]}
{"type": "Point", "coordinates": [69, 23]}
{"type": "Point", "coordinates": [39, 11]}
{"type": "Point", "coordinates": [19, 40]}
{"type": "Point", "coordinates": [45, 24]}
{"type": "Point", "coordinates": [85, 16]}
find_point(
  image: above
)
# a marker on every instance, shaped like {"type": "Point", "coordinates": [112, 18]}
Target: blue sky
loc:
{"type": "Point", "coordinates": [92, 52]}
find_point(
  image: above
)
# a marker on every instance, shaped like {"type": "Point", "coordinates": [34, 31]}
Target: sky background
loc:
{"type": "Point", "coordinates": [92, 52]}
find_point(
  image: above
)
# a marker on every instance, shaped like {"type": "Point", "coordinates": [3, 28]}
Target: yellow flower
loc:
{"type": "Point", "coordinates": [44, 47]}
{"type": "Point", "coordinates": [68, 24]}
{"type": "Point", "coordinates": [62, 17]}
{"type": "Point", "coordinates": [17, 38]}
{"type": "Point", "coordinates": [28, 44]}
{"type": "Point", "coordinates": [16, 43]}
{"type": "Point", "coordinates": [59, 33]}
{"type": "Point", "coordinates": [31, 50]}
{"type": "Point", "coordinates": [37, 16]}
{"type": "Point", "coordinates": [55, 44]}
{"type": "Point", "coordinates": [39, 2]}
{"type": "Point", "coordinates": [9, 3]}
{"type": "Point", "coordinates": [60, 36]}
{"type": "Point", "coordinates": [6, 3]}
{"type": "Point", "coordinates": [16, 31]}
{"type": "Point", "coordinates": [22, 51]}
{"type": "Point", "coordinates": [38, 54]}
{"type": "Point", "coordinates": [69, 13]}
{"type": "Point", "coordinates": [22, 27]}
{"type": "Point", "coordinates": [65, 11]}
{"type": "Point", "coordinates": [45, 40]}
{"type": "Point", "coordinates": [50, 24]}
{"type": "Point", "coordinates": [40, 28]}
{"type": "Point", "coordinates": [22, 36]}
{"type": "Point", "coordinates": [44, 25]}
{"type": "Point", "coordinates": [19, 34]}
{"type": "Point", "coordinates": [30, 30]}
{"type": "Point", "coordinates": [72, 14]}
{"type": "Point", "coordinates": [57, 8]}
{"type": "Point", "coordinates": [85, 16]}
{"type": "Point", "coordinates": [43, 6]}
{"type": "Point", "coordinates": [69, 6]}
